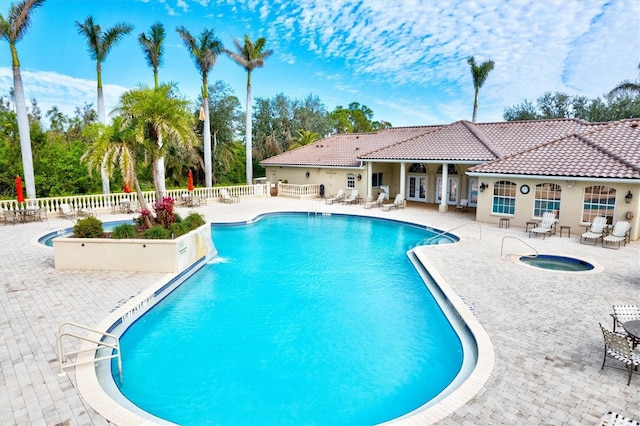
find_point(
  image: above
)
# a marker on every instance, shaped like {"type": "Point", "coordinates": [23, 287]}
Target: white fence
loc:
{"type": "Point", "coordinates": [298, 191]}
{"type": "Point", "coordinates": [99, 202]}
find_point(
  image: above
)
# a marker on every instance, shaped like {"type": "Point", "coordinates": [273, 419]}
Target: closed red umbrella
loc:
{"type": "Point", "coordinates": [126, 188]}
{"type": "Point", "coordinates": [190, 187]}
{"type": "Point", "coordinates": [19, 189]}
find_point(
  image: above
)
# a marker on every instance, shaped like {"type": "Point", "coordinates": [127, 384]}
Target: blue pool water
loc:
{"type": "Point", "coordinates": [302, 320]}
{"type": "Point", "coordinates": [557, 263]}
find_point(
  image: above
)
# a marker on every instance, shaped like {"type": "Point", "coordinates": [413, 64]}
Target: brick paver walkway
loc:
{"type": "Point", "coordinates": [544, 325]}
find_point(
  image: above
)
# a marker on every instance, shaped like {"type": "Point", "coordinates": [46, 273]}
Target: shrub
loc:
{"type": "Point", "coordinates": [123, 231]}
{"type": "Point", "coordinates": [178, 228]}
{"type": "Point", "coordinates": [89, 227]}
{"type": "Point", "coordinates": [157, 233]}
{"type": "Point", "coordinates": [193, 221]}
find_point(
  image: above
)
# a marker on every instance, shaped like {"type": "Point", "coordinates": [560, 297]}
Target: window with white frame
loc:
{"type": "Point", "coordinates": [546, 199]}
{"type": "Point", "coordinates": [376, 179]}
{"type": "Point", "coordinates": [504, 197]}
{"type": "Point", "coordinates": [599, 200]}
{"type": "Point", "coordinates": [351, 180]}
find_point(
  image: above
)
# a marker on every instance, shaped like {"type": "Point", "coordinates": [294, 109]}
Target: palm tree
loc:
{"type": "Point", "coordinates": [626, 87]}
{"type": "Point", "coordinates": [114, 145]}
{"type": "Point", "coordinates": [479, 74]}
{"type": "Point", "coordinates": [155, 114]}
{"type": "Point", "coordinates": [12, 29]}
{"type": "Point", "coordinates": [204, 53]}
{"type": "Point", "coordinates": [250, 56]}
{"type": "Point", "coordinates": [153, 49]}
{"type": "Point", "coordinates": [99, 44]}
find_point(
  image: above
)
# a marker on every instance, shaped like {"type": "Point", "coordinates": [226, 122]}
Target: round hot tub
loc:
{"type": "Point", "coordinates": [557, 263]}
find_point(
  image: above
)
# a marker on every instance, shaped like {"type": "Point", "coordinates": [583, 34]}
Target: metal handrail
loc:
{"type": "Point", "coordinates": [100, 344]}
{"type": "Point", "coordinates": [453, 229]}
{"type": "Point", "coordinates": [516, 238]}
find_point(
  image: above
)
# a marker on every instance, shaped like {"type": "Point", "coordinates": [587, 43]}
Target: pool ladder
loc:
{"type": "Point", "coordinates": [102, 343]}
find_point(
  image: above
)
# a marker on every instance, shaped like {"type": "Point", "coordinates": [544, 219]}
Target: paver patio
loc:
{"type": "Point", "coordinates": [543, 324]}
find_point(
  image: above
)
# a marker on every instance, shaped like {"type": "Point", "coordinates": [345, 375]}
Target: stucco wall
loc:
{"type": "Point", "coordinates": [107, 254]}
{"type": "Point", "coordinates": [571, 203]}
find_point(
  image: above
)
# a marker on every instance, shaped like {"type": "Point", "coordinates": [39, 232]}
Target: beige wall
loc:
{"type": "Point", "coordinates": [332, 179]}
{"type": "Point", "coordinates": [571, 202]}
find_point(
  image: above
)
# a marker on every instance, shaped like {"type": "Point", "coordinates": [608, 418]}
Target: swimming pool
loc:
{"type": "Point", "coordinates": [557, 263]}
{"type": "Point", "coordinates": [369, 287]}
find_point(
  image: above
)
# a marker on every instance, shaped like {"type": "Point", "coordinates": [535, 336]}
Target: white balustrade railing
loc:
{"type": "Point", "coordinates": [98, 202]}
{"type": "Point", "coordinates": [298, 191]}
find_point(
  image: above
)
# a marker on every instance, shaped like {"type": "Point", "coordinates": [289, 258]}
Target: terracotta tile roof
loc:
{"type": "Point", "coordinates": [344, 150]}
{"type": "Point", "coordinates": [605, 151]}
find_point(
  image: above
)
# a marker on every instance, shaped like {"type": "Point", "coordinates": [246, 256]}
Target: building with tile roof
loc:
{"type": "Point", "coordinates": [515, 170]}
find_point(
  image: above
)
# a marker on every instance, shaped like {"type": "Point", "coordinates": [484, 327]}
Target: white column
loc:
{"type": "Point", "coordinates": [403, 179]}
{"type": "Point", "coordinates": [443, 190]}
{"type": "Point", "coordinates": [369, 180]}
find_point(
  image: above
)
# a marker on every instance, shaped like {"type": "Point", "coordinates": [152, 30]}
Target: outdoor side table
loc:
{"type": "Point", "coordinates": [533, 224]}
{"type": "Point", "coordinates": [504, 222]}
{"type": "Point", "coordinates": [633, 330]}
{"type": "Point", "coordinates": [567, 228]}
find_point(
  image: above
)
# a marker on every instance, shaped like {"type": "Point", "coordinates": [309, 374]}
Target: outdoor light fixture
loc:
{"type": "Point", "coordinates": [570, 183]}
{"type": "Point", "coordinates": [307, 174]}
{"type": "Point", "coordinates": [483, 186]}
{"type": "Point", "coordinates": [359, 177]}
{"type": "Point", "coordinates": [628, 197]}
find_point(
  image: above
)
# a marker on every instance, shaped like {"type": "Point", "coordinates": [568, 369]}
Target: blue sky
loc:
{"type": "Point", "coordinates": [404, 59]}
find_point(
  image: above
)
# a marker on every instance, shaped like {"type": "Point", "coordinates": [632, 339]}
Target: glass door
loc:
{"type": "Point", "coordinates": [452, 190]}
{"type": "Point", "coordinates": [473, 192]}
{"type": "Point", "coordinates": [417, 188]}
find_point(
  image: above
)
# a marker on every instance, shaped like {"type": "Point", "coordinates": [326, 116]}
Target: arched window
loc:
{"type": "Point", "coordinates": [599, 200]}
{"type": "Point", "coordinates": [451, 169]}
{"type": "Point", "coordinates": [417, 168]}
{"type": "Point", "coordinates": [504, 197]}
{"type": "Point", "coordinates": [351, 180]}
{"type": "Point", "coordinates": [546, 198]}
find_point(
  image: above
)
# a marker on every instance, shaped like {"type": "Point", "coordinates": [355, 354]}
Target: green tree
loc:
{"type": "Point", "coordinates": [305, 137]}
{"type": "Point", "coordinates": [12, 29]}
{"type": "Point", "coordinates": [204, 53]}
{"type": "Point", "coordinates": [99, 45]}
{"type": "Point", "coordinates": [153, 48]}
{"type": "Point", "coordinates": [479, 73]}
{"type": "Point", "coordinates": [249, 56]}
{"type": "Point", "coordinates": [626, 88]}
{"type": "Point", "coordinates": [155, 114]}
{"type": "Point", "coordinates": [355, 119]}
{"type": "Point", "coordinates": [225, 117]}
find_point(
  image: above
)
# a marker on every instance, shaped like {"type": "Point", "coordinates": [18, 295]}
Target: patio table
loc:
{"type": "Point", "coordinates": [633, 330]}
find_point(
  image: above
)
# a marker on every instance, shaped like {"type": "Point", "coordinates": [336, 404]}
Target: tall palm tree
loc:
{"type": "Point", "coordinates": [99, 44]}
{"type": "Point", "coordinates": [153, 49]}
{"type": "Point", "coordinates": [204, 53]}
{"type": "Point", "coordinates": [153, 114]}
{"type": "Point", "coordinates": [479, 74]}
{"type": "Point", "coordinates": [250, 56]}
{"type": "Point", "coordinates": [12, 29]}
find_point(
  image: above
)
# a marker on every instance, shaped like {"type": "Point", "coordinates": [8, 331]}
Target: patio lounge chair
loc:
{"type": "Point", "coordinates": [351, 199]}
{"type": "Point", "coordinates": [620, 347]}
{"type": "Point", "coordinates": [546, 225]}
{"type": "Point", "coordinates": [463, 206]}
{"type": "Point", "coordinates": [67, 212]}
{"type": "Point", "coordinates": [226, 198]}
{"type": "Point", "coordinates": [398, 203]}
{"type": "Point", "coordinates": [595, 232]}
{"type": "Point", "coordinates": [376, 203]}
{"type": "Point", "coordinates": [620, 233]}
{"type": "Point", "coordinates": [338, 197]}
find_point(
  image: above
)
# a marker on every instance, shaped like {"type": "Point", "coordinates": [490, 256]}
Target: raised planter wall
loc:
{"type": "Point", "coordinates": [106, 254]}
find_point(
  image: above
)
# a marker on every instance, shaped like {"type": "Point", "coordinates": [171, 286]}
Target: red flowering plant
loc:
{"type": "Point", "coordinates": [164, 215]}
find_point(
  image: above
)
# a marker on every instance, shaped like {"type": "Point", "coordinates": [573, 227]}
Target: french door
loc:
{"type": "Point", "coordinates": [417, 188]}
{"type": "Point", "coordinates": [453, 183]}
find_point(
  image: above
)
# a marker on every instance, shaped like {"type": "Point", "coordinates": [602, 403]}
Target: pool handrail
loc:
{"type": "Point", "coordinates": [100, 344]}
{"type": "Point", "coordinates": [441, 233]}
{"type": "Point", "coordinates": [516, 238]}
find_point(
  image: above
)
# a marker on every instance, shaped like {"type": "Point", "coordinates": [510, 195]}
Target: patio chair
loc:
{"type": "Point", "coordinates": [595, 232]}
{"type": "Point", "coordinates": [67, 212]}
{"type": "Point", "coordinates": [8, 216]}
{"type": "Point", "coordinates": [375, 203]}
{"type": "Point", "coordinates": [338, 197]}
{"type": "Point", "coordinates": [463, 206]}
{"type": "Point", "coordinates": [398, 203]}
{"type": "Point", "coordinates": [351, 199]}
{"type": "Point", "coordinates": [546, 225]}
{"type": "Point", "coordinates": [624, 313]}
{"type": "Point", "coordinates": [614, 419]}
{"type": "Point", "coordinates": [620, 347]}
{"type": "Point", "coordinates": [226, 198]}
{"type": "Point", "coordinates": [620, 233]}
